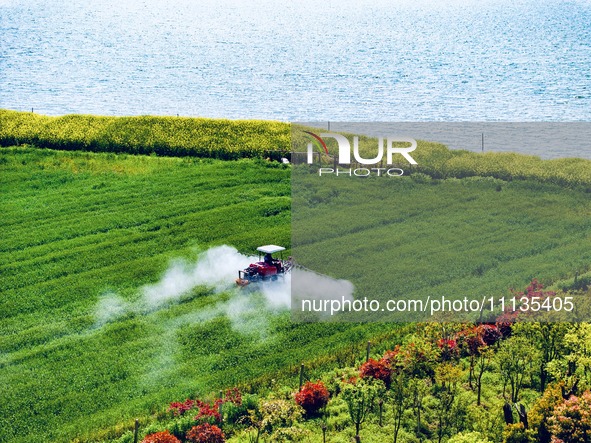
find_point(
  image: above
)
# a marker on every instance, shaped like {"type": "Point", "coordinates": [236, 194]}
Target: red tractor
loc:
{"type": "Point", "coordinates": [267, 268]}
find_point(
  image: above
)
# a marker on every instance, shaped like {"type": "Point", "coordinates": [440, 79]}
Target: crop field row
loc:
{"type": "Point", "coordinates": [164, 136]}
{"type": "Point", "coordinates": [228, 139]}
{"type": "Point", "coordinates": [438, 161]}
{"type": "Point", "coordinates": [418, 237]}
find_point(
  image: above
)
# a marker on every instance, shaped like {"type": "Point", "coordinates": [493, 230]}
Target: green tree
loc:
{"type": "Point", "coordinates": [468, 437]}
{"type": "Point", "coordinates": [399, 396]}
{"type": "Point", "coordinates": [516, 358]}
{"type": "Point", "coordinates": [360, 398]}
{"type": "Point", "coordinates": [447, 377]}
{"type": "Point", "coordinates": [573, 367]}
{"type": "Point", "coordinates": [548, 338]}
{"type": "Point", "coordinates": [541, 410]}
{"type": "Point", "coordinates": [483, 360]}
{"type": "Point", "coordinates": [418, 388]}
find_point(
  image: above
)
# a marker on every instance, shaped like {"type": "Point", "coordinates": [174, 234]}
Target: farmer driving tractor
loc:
{"type": "Point", "coordinates": [269, 269]}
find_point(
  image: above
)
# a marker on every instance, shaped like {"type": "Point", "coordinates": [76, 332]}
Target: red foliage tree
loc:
{"type": "Point", "coordinates": [179, 408]}
{"type": "Point", "coordinates": [206, 411]}
{"type": "Point", "coordinates": [571, 421]}
{"type": "Point", "coordinates": [505, 322]}
{"type": "Point", "coordinates": [205, 433]}
{"type": "Point", "coordinates": [233, 396]}
{"type": "Point", "coordinates": [209, 412]}
{"type": "Point", "coordinates": [312, 397]}
{"type": "Point", "coordinates": [470, 341]}
{"type": "Point", "coordinates": [489, 334]}
{"type": "Point", "coordinates": [392, 357]}
{"type": "Point", "coordinates": [535, 290]}
{"type": "Point", "coordinates": [449, 349]}
{"type": "Point", "coordinates": [378, 369]}
{"type": "Point", "coordinates": [161, 437]}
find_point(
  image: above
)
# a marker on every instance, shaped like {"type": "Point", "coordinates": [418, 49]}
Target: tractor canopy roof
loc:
{"type": "Point", "coordinates": [270, 249]}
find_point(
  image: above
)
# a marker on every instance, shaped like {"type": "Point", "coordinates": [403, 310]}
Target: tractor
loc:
{"type": "Point", "coordinates": [268, 268]}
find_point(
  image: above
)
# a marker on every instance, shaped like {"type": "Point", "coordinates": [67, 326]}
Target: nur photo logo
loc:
{"type": "Point", "coordinates": [343, 157]}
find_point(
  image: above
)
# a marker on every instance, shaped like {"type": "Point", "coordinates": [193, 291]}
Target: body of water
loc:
{"type": "Point", "coordinates": [420, 60]}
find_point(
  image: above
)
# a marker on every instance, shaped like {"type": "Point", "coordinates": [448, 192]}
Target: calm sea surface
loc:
{"type": "Point", "coordinates": [419, 60]}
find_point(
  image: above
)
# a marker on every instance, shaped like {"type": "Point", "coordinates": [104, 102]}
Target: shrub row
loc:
{"type": "Point", "coordinates": [164, 136]}
{"type": "Point", "coordinates": [439, 162]}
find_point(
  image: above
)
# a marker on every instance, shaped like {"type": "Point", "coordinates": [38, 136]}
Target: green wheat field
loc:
{"type": "Point", "coordinates": [95, 207]}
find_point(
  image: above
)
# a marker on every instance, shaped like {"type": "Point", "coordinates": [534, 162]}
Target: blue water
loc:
{"type": "Point", "coordinates": [419, 60]}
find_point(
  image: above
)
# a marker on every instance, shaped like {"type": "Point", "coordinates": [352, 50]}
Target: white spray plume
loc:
{"type": "Point", "coordinates": [277, 293]}
{"type": "Point", "coordinates": [217, 268]}
{"type": "Point", "coordinates": [110, 307]}
{"type": "Point", "coordinates": [309, 285]}
{"type": "Point", "coordinates": [248, 309]}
